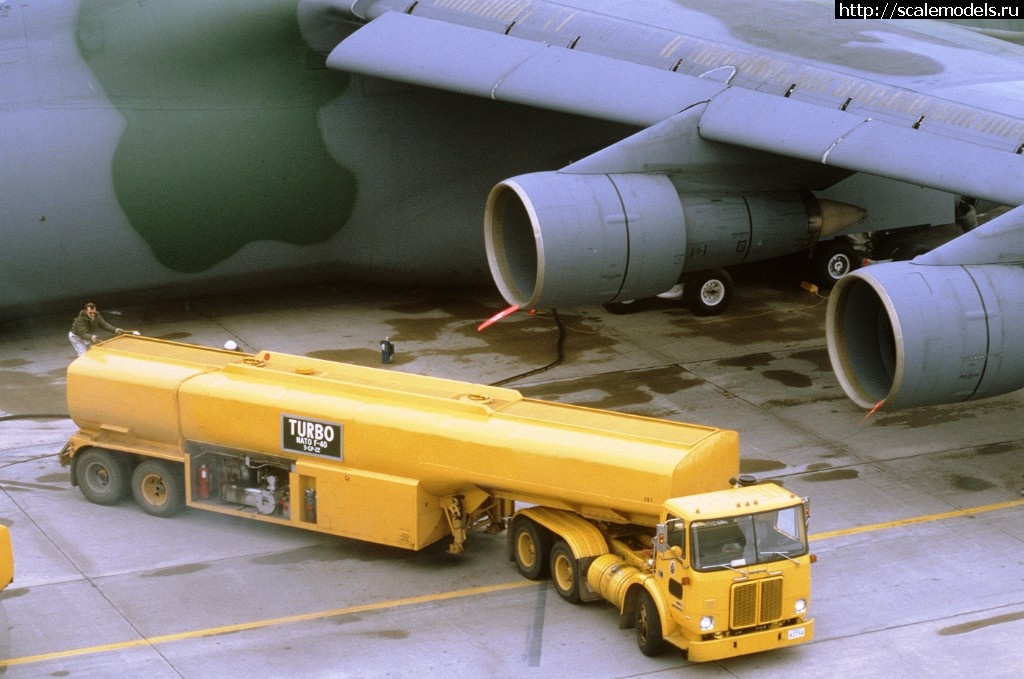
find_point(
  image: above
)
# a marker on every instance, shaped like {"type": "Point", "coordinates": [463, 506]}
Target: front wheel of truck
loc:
{"type": "Point", "coordinates": [648, 626]}
{"type": "Point", "coordinates": [159, 487]}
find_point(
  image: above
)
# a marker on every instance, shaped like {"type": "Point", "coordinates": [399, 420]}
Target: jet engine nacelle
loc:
{"type": "Point", "coordinates": [567, 239]}
{"type": "Point", "coordinates": [908, 335]}
{"type": "Point", "coordinates": [559, 239]}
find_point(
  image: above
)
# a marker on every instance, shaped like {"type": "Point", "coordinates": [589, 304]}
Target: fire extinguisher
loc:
{"type": "Point", "coordinates": [203, 481]}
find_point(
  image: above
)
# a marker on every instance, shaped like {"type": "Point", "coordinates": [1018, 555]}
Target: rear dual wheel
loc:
{"type": "Point", "coordinates": [565, 572]}
{"type": "Point", "coordinates": [531, 545]}
{"type": "Point", "coordinates": [105, 478]}
{"type": "Point", "coordinates": [159, 487]}
{"type": "Point", "coordinates": [102, 475]}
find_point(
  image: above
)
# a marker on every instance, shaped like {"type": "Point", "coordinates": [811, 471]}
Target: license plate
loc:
{"type": "Point", "coordinates": [797, 633]}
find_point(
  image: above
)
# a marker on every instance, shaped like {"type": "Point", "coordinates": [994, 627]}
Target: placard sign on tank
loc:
{"type": "Point", "coordinates": [313, 437]}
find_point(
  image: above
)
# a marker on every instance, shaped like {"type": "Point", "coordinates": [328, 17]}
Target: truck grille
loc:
{"type": "Point", "coordinates": [757, 602]}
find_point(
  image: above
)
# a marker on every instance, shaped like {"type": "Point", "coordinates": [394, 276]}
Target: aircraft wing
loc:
{"type": "Point", "coordinates": [863, 144]}
{"type": "Point", "coordinates": [502, 67]}
{"type": "Point", "coordinates": [915, 103]}
{"type": "Point", "coordinates": [897, 133]}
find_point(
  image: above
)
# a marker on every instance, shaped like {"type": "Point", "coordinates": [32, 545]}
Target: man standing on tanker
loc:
{"type": "Point", "coordinates": [84, 329]}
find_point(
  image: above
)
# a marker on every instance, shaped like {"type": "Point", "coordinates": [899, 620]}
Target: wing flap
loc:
{"type": "Point", "coordinates": [484, 63]}
{"type": "Point", "coordinates": [835, 137]}
{"type": "Point", "coordinates": [471, 61]}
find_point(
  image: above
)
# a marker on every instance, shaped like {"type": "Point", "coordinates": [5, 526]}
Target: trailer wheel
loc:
{"type": "Point", "coordinates": [648, 626]}
{"type": "Point", "coordinates": [159, 487]}
{"type": "Point", "coordinates": [530, 547]}
{"type": "Point", "coordinates": [102, 475]}
{"type": "Point", "coordinates": [565, 571]}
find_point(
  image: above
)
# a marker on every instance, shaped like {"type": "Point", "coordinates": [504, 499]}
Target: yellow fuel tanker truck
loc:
{"type": "Point", "coordinates": [641, 512]}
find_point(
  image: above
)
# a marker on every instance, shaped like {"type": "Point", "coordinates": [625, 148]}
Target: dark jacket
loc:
{"type": "Point", "coordinates": [86, 327]}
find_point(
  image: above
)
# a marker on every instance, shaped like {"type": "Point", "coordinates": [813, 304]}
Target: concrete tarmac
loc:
{"type": "Point", "coordinates": [916, 515]}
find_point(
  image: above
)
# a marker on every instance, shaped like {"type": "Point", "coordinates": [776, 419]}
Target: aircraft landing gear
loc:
{"type": "Point", "coordinates": [831, 261]}
{"type": "Point", "coordinates": [707, 293]}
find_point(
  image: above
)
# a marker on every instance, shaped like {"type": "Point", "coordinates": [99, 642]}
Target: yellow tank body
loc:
{"type": "Point", "coordinates": [448, 437]}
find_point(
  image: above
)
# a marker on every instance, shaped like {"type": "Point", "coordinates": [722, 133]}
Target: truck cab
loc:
{"type": "Point", "coordinates": [733, 570]}
{"type": "Point", "coordinates": [723, 573]}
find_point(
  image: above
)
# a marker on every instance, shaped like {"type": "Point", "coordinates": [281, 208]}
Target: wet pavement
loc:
{"type": "Point", "coordinates": [916, 514]}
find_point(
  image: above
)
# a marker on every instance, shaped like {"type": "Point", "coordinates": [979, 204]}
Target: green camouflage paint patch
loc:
{"type": "Point", "coordinates": [222, 146]}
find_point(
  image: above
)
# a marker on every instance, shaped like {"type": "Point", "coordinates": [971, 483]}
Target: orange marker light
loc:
{"type": "Point", "coordinates": [497, 317]}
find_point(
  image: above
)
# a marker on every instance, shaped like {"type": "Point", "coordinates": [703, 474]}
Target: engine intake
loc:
{"type": "Point", "coordinates": [566, 240]}
{"type": "Point", "coordinates": [909, 335]}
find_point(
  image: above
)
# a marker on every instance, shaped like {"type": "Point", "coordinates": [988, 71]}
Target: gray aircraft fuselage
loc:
{"type": "Point", "coordinates": [180, 148]}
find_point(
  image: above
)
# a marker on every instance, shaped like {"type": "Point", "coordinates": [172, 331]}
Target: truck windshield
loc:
{"type": "Point", "coordinates": [750, 539]}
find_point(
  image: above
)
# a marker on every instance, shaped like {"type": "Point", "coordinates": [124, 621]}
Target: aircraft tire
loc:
{"type": "Point", "coordinates": [831, 261]}
{"type": "Point", "coordinates": [708, 293]}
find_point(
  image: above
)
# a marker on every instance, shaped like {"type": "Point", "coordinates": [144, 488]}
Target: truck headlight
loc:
{"type": "Point", "coordinates": [707, 623]}
{"type": "Point", "coordinates": [800, 606]}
